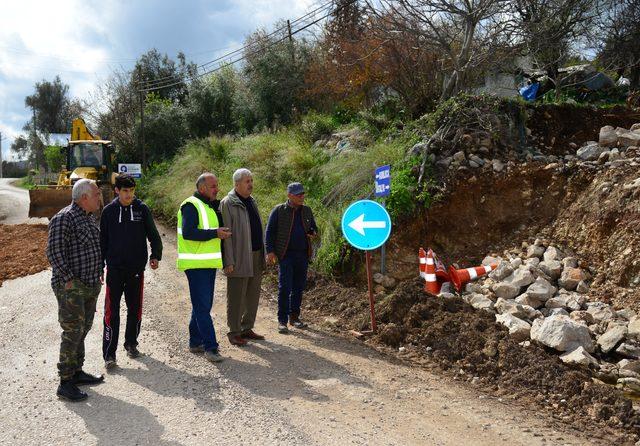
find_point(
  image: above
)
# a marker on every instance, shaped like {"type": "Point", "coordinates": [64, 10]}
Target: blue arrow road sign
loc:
{"type": "Point", "coordinates": [383, 181]}
{"type": "Point", "coordinates": [366, 225]}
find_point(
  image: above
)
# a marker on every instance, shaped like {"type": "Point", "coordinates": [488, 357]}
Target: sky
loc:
{"type": "Point", "coordinates": [85, 41]}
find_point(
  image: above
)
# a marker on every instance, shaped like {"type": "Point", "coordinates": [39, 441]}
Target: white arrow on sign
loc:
{"type": "Point", "coordinates": [359, 225]}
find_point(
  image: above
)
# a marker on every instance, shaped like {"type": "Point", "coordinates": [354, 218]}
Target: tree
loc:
{"type": "Point", "coordinates": [618, 42]}
{"type": "Point", "coordinates": [157, 70]}
{"type": "Point", "coordinates": [551, 30]}
{"type": "Point", "coordinates": [165, 129]}
{"type": "Point", "coordinates": [465, 33]}
{"type": "Point", "coordinates": [20, 147]}
{"type": "Point", "coordinates": [274, 72]}
{"type": "Point", "coordinates": [210, 108]}
{"type": "Point", "coordinates": [51, 106]}
{"type": "Point", "coordinates": [55, 158]}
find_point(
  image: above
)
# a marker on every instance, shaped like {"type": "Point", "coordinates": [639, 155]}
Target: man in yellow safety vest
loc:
{"type": "Point", "coordinates": [199, 256]}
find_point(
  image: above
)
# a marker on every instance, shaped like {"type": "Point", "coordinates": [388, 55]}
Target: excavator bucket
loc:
{"type": "Point", "coordinates": [47, 202]}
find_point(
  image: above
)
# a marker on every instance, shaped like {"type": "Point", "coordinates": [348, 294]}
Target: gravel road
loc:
{"type": "Point", "coordinates": [307, 387]}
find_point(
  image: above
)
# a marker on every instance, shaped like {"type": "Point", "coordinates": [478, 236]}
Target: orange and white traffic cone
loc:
{"type": "Point", "coordinates": [460, 277]}
{"type": "Point", "coordinates": [429, 266]}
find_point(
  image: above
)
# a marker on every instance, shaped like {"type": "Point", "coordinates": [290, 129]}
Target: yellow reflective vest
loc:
{"type": "Point", "coordinates": [194, 254]}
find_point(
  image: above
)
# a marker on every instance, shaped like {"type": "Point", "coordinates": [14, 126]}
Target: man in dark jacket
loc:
{"type": "Point", "coordinates": [125, 226]}
{"type": "Point", "coordinates": [289, 232]}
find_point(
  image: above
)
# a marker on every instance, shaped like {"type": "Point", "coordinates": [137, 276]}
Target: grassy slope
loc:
{"type": "Point", "coordinates": [276, 159]}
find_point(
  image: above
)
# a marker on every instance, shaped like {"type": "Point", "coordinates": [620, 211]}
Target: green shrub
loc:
{"type": "Point", "coordinates": [315, 125]}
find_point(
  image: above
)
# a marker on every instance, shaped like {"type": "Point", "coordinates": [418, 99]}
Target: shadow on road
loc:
{"type": "Point", "coordinates": [167, 381]}
{"type": "Point", "coordinates": [290, 372]}
{"type": "Point", "coordinates": [113, 421]}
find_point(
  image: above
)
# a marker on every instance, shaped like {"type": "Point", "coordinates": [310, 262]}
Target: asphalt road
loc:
{"type": "Point", "coordinates": [307, 387]}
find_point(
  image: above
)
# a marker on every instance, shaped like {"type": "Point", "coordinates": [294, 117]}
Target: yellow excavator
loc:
{"type": "Point", "coordinates": [87, 156]}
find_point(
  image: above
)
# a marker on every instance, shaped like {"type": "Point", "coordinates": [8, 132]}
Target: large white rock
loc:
{"type": "Point", "coordinates": [608, 136]}
{"type": "Point", "coordinates": [525, 299]}
{"type": "Point", "coordinates": [629, 349]}
{"type": "Point", "coordinates": [612, 337]}
{"type": "Point", "coordinates": [600, 311]}
{"type": "Point", "coordinates": [570, 302]}
{"type": "Point", "coordinates": [561, 333]}
{"type": "Point", "coordinates": [634, 328]}
{"type": "Point", "coordinates": [535, 251]}
{"type": "Point", "coordinates": [521, 277]}
{"type": "Point", "coordinates": [569, 262]}
{"type": "Point", "coordinates": [505, 290]}
{"type": "Point", "coordinates": [552, 268]}
{"type": "Point", "coordinates": [509, 306]}
{"type": "Point", "coordinates": [590, 153]}
{"type": "Point", "coordinates": [579, 356]}
{"type": "Point", "coordinates": [629, 139]}
{"type": "Point", "coordinates": [503, 271]}
{"type": "Point", "coordinates": [518, 328]}
{"type": "Point", "coordinates": [553, 253]}
{"type": "Point", "coordinates": [570, 278]}
{"type": "Point", "coordinates": [481, 302]}
{"type": "Point", "coordinates": [541, 290]}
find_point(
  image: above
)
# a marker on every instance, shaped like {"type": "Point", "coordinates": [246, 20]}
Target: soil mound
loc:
{"type": "Point", "coordinates": [22, 250]}
{"type": "Point", "coordinates": [469, 344]}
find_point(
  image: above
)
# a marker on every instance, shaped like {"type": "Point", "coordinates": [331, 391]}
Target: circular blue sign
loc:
{"type": "Point", "coordinates": [366, 225]}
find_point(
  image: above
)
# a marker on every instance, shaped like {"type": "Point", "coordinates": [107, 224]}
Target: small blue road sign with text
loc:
{"type": "Point", "coordinates": [383, 181]}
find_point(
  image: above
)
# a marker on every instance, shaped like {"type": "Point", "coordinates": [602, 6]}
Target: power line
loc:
{"type": "Point", "coordinates": [169, 81]}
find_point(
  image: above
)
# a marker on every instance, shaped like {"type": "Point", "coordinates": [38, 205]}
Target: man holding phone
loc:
{"type": "Point", "coordinates": [199, 256]}
{"type": "Point", "coordinates": [289, 232]}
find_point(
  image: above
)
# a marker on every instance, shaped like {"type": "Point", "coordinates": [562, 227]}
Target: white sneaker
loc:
{"type": "Point", "coordinates": [282, 328]}
{"type": "Point", "coordinates": [213, 356]}
{"type": "Point", "coordinates": [110, 363]}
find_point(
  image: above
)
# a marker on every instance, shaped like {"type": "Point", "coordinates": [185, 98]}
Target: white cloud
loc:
{"type": "Point", "coordinates": [82, 41]}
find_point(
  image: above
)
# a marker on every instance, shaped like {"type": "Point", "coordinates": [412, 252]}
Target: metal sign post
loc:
{"type": "Point", "coordinates": [382, 189]}
{"type": "Point", "coordinates": [366, 225]}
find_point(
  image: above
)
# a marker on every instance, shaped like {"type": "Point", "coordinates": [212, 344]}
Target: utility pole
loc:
{"type": "Point", "coordinates": [142, 148]}
{"type": "Point", "coordinates": [293, 54]}
{"type": "Point", "coordinates": [1, 155]}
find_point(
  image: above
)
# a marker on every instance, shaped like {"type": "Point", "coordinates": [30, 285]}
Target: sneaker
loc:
{"type": "Point", "coordinates": [132, 351]}
{"type": "Point", "coordinates": [282, 328]}
{"type": "Point", "coordinates": [110, 363]}
{"type": "Point", "coordinates": [197, 349]}
{"type": "Point", "coordinates": [213, 356]}
{"type": "Point", "coordinates": [298, 324]}
{"type": "Point", "coordinates": [69, 391]}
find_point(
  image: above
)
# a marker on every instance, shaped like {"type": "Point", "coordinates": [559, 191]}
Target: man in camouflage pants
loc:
{"type": "Point", "coordinates": [73, 249]}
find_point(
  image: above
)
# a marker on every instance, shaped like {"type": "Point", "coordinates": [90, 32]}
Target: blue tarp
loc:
{"type": "Point", "coordinates": [529, 92]}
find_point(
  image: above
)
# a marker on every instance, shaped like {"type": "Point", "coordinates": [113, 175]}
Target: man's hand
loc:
{"type": "Point", "coordinates": [271, 259]}
{"type": "Point", "coordinates": [153, 263]}
{"type": "Point", "coordinates": [312, 235]}
{"type": "Point", "coordinates": [228, 269]}
{"type": "Point", "coordinates": [224, 233]}
{"type": "Point", "coordinates": [102, 279]}
{"type": "Point", "coordinates": [68, 285]}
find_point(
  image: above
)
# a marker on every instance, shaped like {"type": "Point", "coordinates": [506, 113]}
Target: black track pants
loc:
{"type": "Point", "coordinates": [131, 283]}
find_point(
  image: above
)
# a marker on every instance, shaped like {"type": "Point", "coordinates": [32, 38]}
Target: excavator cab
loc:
{"type": "Point", "coordinates": [88, 157]}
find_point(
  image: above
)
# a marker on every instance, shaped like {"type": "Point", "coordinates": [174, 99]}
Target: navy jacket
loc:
{"type": "Point", "coordinates": [124, 231]}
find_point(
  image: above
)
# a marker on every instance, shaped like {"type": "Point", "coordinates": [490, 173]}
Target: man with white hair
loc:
{"type": "Point", "coordinates": [200, 233]}
{"type": "Point", "coordinates": [243, 258]}
{"type": "Point", "coordinates": [73, 249]}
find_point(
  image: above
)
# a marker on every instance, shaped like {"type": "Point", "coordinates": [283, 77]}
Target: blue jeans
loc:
{"type": "Point", "coordinates": [201, 331]}
{"type": "Point", "coordinates": [292, 279]}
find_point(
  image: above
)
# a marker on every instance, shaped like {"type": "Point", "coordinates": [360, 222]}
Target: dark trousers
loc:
{"type": "Point", "coordinates": [76, 308]}
{"type": "Point", "coordinates": [131, 283]}
{"type": "Point", "coordinates": [292, 278]}
{"type": "Point", "coordinates": [201, 287]}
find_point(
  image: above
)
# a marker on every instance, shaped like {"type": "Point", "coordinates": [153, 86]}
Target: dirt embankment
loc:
{"type": "Point", "coordinates": [469, 346]}
{"type": "Point", "coordinates": [22, 250]}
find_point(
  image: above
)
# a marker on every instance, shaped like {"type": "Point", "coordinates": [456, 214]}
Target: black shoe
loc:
{"type": "Point", "coordinates": [132, 351]}
{"type": "Point", "coordinates": [82, 377]}
{"type": "Point", "coordinates": [69, 391]}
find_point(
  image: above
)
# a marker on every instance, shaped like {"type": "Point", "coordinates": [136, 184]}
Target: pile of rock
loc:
{"type": "Point", "coordinates": [615, 147]}
{"type": "Point", "coordinates": [542, 295]}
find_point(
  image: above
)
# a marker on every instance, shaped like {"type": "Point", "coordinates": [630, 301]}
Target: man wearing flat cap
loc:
{"type": "Point", "coordinates": [289, 232]}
